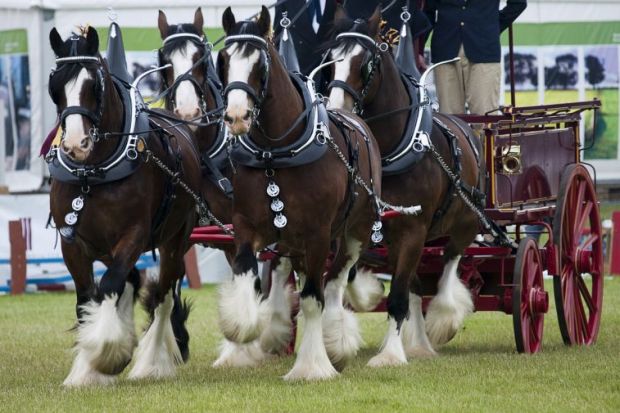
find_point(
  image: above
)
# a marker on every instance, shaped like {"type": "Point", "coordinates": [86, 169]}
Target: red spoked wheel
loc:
{"type": "Point", "coordinates": [578, 287]}
{"type": "Point", "coordinates": [530, 301]}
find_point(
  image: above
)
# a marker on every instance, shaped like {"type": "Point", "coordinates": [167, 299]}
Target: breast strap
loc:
{"type": "Point", "coordinates": [307, 148]}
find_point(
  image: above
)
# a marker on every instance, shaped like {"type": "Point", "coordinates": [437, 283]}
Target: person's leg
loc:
{"type": "Point", "coordinates": [450, 87]}
{"type": "Point", "coordinates": [482, 87]}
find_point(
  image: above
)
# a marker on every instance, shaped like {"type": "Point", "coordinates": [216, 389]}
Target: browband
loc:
{"type": "Point", "coordinates": [358, 35]}
{"type": "Point", "coordinates": [179, 35]}
{"type": "Point", "coordinates": [244, 37]}
{"type": "Point", "coordinates": [77, 59]}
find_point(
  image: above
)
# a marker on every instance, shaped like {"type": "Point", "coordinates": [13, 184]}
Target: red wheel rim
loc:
{"type": "Point", "coordinates": [529, 299]}
{"type": "Point", "coordinates": [578, 287]}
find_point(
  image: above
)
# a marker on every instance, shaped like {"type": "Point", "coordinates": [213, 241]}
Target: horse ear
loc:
{"type": "Point", "coordinates": [228, 20]}
{"type": "Point", "coordinates": [92, 41]}
{"type": "Point", "coordinates": [198, 20]}
{"type": "Point", "coordinates": [374, 22]}
{"type": "Point", "coordinates": [340, 12]}
{"type": "Point", "coordinates": [264, 21]}
{"type": "Point", "coordinates": [57, 43]}
{"type": "Point", "coordinates": [162, 23]}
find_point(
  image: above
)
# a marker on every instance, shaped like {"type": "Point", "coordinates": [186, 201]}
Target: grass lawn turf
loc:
{"type": "Point", "coordinates": [478, 371]}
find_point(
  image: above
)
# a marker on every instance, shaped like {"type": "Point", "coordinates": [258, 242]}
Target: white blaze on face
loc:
{"type": "Point", "coordinates": [341, 72]}
{"type": "Point", "coordinates": [240, 67]}
{"type": "Point", "coordinates": [187, 105]}
{"type": "Point", "coordinates": [74, 124]}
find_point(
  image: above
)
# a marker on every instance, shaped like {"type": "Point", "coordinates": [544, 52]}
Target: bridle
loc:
{"type": "Point", "coordinates": [257, 97]}
{"type": "Point", "coordinates": [93, 116]}
{"type": "Point", "coordinates": [370, 66]}
{"type": "Point", "coordinates": [204, 61]}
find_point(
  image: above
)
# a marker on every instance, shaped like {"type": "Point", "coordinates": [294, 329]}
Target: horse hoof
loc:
{"type": "Point", "coordinates": [242, 315]}
{"type": "Point", "coordinates": [443, 322]}
{"type": "Point", "coordinates": [386, 360]}
{"type": "Point", "coordinates": [239, 355]}
{"type": "Point", "coordinates": [447, 311]}
{"type": "Point", "coordinates": [310, 373]}
{"type": "Point", "coordinates": [158, 352]}
{"type": "Point", "coordinates": [278, 330]}
{"type": "Point", "coordinates": [106, 335]}
{"type": "Point", "coordinates": [365, 292]}
{"type": "Point", "coordinates": [341, 336]}
{"type": "Point", "coordinates": [83, 374]}
{"type": "Point", "coordinates": [419, 352]}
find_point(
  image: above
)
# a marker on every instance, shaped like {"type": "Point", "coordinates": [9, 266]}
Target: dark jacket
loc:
{"type": "Point", "coordinates": [418, 23]}
{"type": "Point", "coordinates": [307, 42]}
{"type": "Point", "coordinates": [476, 24]}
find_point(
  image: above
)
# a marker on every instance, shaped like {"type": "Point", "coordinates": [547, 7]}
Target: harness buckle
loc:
{"type": "Point", "coordinates": [220, 183]}
{"type": "Point", "coordinates": [132, 154]}
{"type": "Point", "coordinates": [94, 134]}
{"type": "Point", "coordinates": [255, 112]}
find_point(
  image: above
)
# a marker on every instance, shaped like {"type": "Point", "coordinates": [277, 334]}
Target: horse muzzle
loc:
{"type": "Point", "coordinates": [188, 114]}
{"type": "Point", "coordinates": [238, 122]}
{"type": "Point", "coordinates": [78, 152]}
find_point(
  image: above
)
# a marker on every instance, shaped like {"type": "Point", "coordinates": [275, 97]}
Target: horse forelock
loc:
{"type": "Point", "coordinates": [341, 26]}
{"type": "Point", "coordinates": [66, 73]}
{"type": "Point", "coordinates": [246, 27]}
{"type": "Point", "coordinates": [179, 43]}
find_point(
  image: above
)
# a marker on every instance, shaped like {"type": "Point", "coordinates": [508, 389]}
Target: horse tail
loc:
{"type": "Point", "coordinates": [180, 312]}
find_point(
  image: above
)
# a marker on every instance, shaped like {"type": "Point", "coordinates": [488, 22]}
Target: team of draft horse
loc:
{"type": "Point", "coordinates": [245, 141]}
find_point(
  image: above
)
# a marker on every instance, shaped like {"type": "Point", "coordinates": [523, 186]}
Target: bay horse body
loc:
{"type": "Point", "coordinates": [116, 221]}
{"type": "Point", "coordinates": [193, 88]}
{"type": "Point", "coordinates": [382, 97]}
{"type": "Point", "coordinates": [322, 208]}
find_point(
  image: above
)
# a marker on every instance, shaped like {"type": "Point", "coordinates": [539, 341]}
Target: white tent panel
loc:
{"type": "Point", "coordinates": [31, 178]}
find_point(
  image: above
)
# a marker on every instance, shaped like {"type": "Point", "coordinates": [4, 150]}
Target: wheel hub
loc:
{"type": "Point", "coordinates": [539, 301]}
{"type": "Point", "coordinates": [583, 261]}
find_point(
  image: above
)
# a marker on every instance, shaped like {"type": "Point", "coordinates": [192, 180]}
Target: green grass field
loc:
{"type": "Point", "coordinates": [478, 371]}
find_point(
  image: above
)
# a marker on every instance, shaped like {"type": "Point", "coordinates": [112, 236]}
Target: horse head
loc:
{"type": "Point", "coordinates": [354, 44]}
{"type": "Point", "coordinates": [76, 87]}
{"type": "Point", "coordinates": [185, 51]}
{"type": "Point", "coordinates": [243, 65]}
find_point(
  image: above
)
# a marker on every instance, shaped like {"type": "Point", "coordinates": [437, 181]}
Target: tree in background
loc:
{"type": "Point", "coordinates": [596, 70]}
{"type": "Point", "coordinates": [564, 74]}
{"type": "Point", "coordinates": [525, 69]}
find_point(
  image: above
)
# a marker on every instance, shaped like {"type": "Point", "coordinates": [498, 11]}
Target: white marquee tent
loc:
{"type": "Point", "coordinates": [24, 28]}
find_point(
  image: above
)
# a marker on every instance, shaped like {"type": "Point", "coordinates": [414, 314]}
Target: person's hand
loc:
{"type": "Point", "coordinates": [421, 63]}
